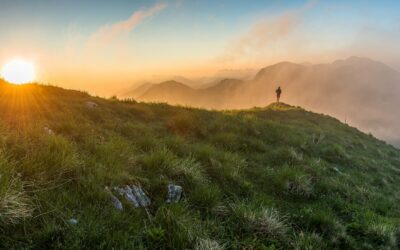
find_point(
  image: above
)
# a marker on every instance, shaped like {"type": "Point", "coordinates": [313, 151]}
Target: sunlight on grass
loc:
{"type": "Point", "coordinates": [272, 177]}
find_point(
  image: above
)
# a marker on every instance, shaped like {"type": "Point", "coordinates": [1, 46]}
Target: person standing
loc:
{"type": "Point", "coordinates": [278, 93]}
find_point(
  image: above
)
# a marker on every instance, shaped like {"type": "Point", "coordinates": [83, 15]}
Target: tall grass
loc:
{"type": "Point", "coordinates": [266, 178]}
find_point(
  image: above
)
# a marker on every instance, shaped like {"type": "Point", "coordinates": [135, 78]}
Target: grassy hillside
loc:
{"type": "Point", "coordinates": [267, 178]}
{"type": "Point", "coordinates": [360, 90]}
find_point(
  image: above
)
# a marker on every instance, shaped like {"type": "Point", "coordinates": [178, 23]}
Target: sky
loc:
{"type": "Point", "coordinates": [104, 46]}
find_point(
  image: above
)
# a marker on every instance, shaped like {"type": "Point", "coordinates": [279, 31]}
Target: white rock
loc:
{"type": "Point", "coordinates": [174, 193]}
{"type": "Point", "coordinates": [134, 195]}
{"type": "Point", "coordinates": [337, 170]}
{"type": "Point", "coordinates": [116, 203]}
{"type": "Point", "coordinates": [73, 221]}
{"type": "Point", "coordinates": [131, 197]}
{"type": "Point", "coordinates": [141, 197]}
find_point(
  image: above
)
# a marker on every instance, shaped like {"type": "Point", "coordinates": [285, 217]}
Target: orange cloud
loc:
{"type": "Point", "coordinates": [107, 33]}
{"type": "Point", "coordinates": [263, 33]}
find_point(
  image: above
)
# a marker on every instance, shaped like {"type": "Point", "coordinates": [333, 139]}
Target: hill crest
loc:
{"type": "Point", "coordinates": [300, 173]}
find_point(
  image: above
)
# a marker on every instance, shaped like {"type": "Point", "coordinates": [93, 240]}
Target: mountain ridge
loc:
{"type": "Point", "coordinates": [358, 83]}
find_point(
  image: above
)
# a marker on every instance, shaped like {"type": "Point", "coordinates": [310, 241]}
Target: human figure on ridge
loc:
{"type": "Point", "coordinates": [278, 93]}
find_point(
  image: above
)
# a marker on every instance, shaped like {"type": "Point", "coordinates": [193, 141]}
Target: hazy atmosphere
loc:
{"type": "Point", "coordinates": [86, 46]}
{"type": "Point", "coordinates": [200, 124]}
{"type": "Point", "coordinates": [105, 46]}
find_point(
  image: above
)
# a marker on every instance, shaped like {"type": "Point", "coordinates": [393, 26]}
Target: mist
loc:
{"type": "Point", "coordinates": [358, 91]}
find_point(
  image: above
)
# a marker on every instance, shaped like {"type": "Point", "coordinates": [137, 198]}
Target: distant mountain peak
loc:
{"type": "Point", "coordinates": [363, 63]}
{"type": "Point", "coordinates": [354, 59]}
{"type": "Point", "coordinates": [278, 67]}
{"type": "Point", "coordinates": [173, 83]}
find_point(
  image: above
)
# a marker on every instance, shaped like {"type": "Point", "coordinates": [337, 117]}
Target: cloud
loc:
{"type": "Point", "coordinates": [264, 33]}
{"type": "Point", "coordinates": [91, 61]}
{"type": "Point", "coordinates": [108, 33]}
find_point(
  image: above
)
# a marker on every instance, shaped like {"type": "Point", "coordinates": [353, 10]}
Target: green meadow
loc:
{"type": "Point", "coordinates": [276, 177]}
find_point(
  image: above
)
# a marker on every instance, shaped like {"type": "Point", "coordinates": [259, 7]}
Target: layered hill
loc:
{"type": "Point", "coordinates": [357, 90]}
{"type": "Point", "coordinates": [277, 177]}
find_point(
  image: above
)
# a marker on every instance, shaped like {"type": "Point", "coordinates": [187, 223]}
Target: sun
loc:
{"type": "Point", "coordinates": [18, 71]}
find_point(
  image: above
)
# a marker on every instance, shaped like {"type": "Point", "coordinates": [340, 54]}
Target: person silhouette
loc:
{"type": "Point", "coordinates": [278, 93]}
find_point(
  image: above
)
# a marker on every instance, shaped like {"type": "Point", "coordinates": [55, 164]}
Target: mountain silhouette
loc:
{"type": "Point", "coordinates": [357, 90]}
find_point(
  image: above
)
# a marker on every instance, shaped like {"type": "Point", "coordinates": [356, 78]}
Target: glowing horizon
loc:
{"type": "Point", "coordinates": [18, 71]}
{"type": "Point", "coordinates": [103, 47]}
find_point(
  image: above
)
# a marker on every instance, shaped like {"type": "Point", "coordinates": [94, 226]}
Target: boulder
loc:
{"type": "Point", "coordinates": [174, 193]}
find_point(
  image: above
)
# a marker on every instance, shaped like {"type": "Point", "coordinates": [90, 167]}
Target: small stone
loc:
{"type": "Point", "coordinates": [116, 203]}
{"type": "Point", "coordinates": [174, 193]}
{"type": "Point", "coordinates": [48, 130]}
{"type": "Point", "coordinates": [72, 221]}
{"type": "Point", "coordinates": [337, 170]}
{"type": "Point", "coordinates": [91, 104]}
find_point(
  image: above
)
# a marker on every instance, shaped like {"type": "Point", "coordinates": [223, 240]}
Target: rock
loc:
{"type": "Point", "coordinates": [141, 197]}
{"type": "Point", "coordinates": [127, 192]}
{"type": "Point", "coordinates": [116, 203]}
{"type": "Point", "coordinates": [134, 195]}
{"type": "Point", "coordinates": [114, 200]}
{"type": "Point", "coordinates": [72, 221]}
{"type": "Point", "coordinates": [337, 170]}
{"type": "Point", "coordinates": [91, 104]}
{"type": "Point", "coordinates": [48, 130]}
{"type": "Point", "coordinates": [174, 193]}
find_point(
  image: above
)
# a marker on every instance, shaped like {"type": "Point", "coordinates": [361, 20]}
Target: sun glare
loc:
{"type": "Point", "coordinates": [18, 72]}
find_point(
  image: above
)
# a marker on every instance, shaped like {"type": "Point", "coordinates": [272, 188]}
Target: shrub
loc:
{"type": "Point", "coordinates": [226, 167]}
{"type": "Point", "coordinates": [156, 235]}
{"type": "Point", "coordinates": [205, 197]}
{"type": "Point", "coordinates": [226, 140]}
{"type": "Point", "coordinates": [189, 169]}
{"type": "Point", "coordinates": [321, 219]}
{"type": "Point", "coordinates": [397, 235]}
{"type": "Point", "coordinates": [14, 203]}
{"type": "Point", "coordinates": [285, 155]}
{"type": "Point", "coordinates": [261, 220]}
{"type": "Point", "coordinates": [293, 181]}
{"type": "Point", "coordinates": [164, 162]}
{"type": "Point", "coordinates": [176, 144]}
{"type": "Point", "coordinates": [112, 155]}
{"type": "Point", "coordinates": [50, 158]}
{"type": "Point", "coordinates": [204, 152]}
{"type": "Point", "coordinates": [301, 185]}
{"type": "Point", "coordinates": [158, 161]}
{"type": "Point", "coordinates": [133, 130]}
{"type": "Point", "coordinates": [380, 234]}
{"type": "Point", "coordinates": [183, 123]}
{"type": "Point", "coordinates": [182, 226]}
{"type": "Point", "coordinates": [267, 222]}
{"type": "Point", "coordinates": [208, 244]}
{"type": "Point", "coordinates": [309, 241]}
{"type": "Point", "coordinates": [147, 143]}
{"type": "Point", "coordinates": [335, 154]}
